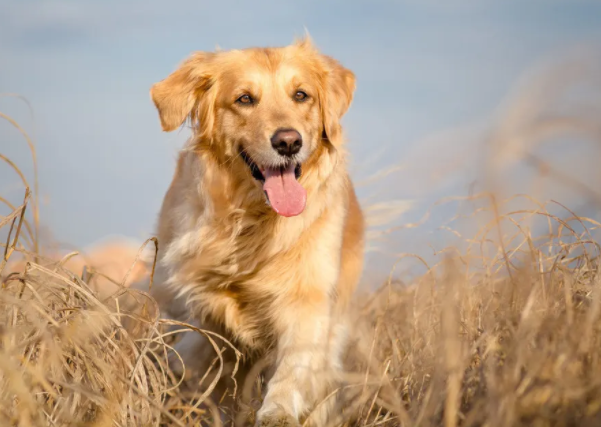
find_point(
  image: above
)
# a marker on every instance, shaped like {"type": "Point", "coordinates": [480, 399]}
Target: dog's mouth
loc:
{"type": "Point", "coordinates": [284, 193]}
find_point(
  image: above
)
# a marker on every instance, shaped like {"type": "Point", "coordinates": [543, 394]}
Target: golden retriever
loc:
{"type": "Point", "coordinates": [261, 235]}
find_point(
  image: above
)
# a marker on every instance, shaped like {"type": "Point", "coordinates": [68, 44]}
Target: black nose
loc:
{"type": "Point", "coordinates": [287, 142]}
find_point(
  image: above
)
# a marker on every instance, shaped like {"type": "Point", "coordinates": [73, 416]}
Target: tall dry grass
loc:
{"type": "Point", "coordinates": [501, 331]}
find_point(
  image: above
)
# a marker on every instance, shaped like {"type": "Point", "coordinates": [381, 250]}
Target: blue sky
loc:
{"type": "Point", "coordinates": [423, 68]}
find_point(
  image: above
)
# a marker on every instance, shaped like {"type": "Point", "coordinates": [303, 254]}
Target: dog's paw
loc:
{"type": "Point", "coordinates": [277, 419]}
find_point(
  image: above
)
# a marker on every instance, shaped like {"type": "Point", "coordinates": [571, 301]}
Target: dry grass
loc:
{"type": "Point", "coordinates": [503, 331]}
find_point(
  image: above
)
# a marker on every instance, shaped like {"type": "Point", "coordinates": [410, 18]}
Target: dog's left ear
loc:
{"type": "Point", "coordinates": [182, 91]}
{"type": "Point", "coordinates": [337, 96]}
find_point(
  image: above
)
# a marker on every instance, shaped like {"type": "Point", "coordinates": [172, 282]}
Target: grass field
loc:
{"type": "Point", "coordinates": [502, 331]}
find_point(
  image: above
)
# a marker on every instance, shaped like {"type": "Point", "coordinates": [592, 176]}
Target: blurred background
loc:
{"type": "Point", "coordinates": [453, 99]}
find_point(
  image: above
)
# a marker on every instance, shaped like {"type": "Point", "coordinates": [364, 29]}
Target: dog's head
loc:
{"type": "Point", "coordinates": [266, 111]}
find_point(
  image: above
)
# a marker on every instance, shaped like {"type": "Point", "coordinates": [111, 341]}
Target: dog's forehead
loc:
{"type": "Point", "coordinates": [262, 65]}
{"type": "Point", "coordinates": [286, 72]}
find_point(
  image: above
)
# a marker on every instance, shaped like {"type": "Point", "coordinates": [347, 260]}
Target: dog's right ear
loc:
{"type": "Point", "coordinates": [336, 98]}
{"type": "Point", "coordinates": [176, 96]}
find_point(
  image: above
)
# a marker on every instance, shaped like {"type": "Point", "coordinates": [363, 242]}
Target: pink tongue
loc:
{"type": "Point", "coordinates": [286, 196]}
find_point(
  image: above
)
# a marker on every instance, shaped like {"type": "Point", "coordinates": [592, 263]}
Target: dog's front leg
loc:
{"type": "Point", "coordinates": [307, 360]}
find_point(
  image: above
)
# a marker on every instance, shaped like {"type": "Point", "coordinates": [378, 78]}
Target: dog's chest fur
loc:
{"type": "Point", "coordinates": [237, 267]}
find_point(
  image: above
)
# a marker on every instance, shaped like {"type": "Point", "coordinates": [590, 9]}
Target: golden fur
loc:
{"type": "Point", "coordinates": [227, 261]}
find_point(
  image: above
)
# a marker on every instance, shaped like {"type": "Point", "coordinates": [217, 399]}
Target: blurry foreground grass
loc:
{"type": "Point", "coordinates": [503, 331]}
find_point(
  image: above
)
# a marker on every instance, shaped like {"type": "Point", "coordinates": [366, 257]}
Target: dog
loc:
{"type": "Point", "coordinates": [261, 234]}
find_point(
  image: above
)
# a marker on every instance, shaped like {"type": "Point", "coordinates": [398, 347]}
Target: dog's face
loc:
{"type": "Point", "coordinates": [265, 111]}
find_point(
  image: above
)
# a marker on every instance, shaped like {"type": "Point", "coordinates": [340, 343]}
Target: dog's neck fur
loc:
{"type": "Point", "coordinates": [227, 207]}
{"type": "Point", "coordinates": [220, 236]}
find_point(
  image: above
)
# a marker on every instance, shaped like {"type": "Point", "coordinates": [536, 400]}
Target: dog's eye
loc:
{"type": "Point", "coordinates": [245, 99]}
{"type": "Point", "coordinates": [300, 96]}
